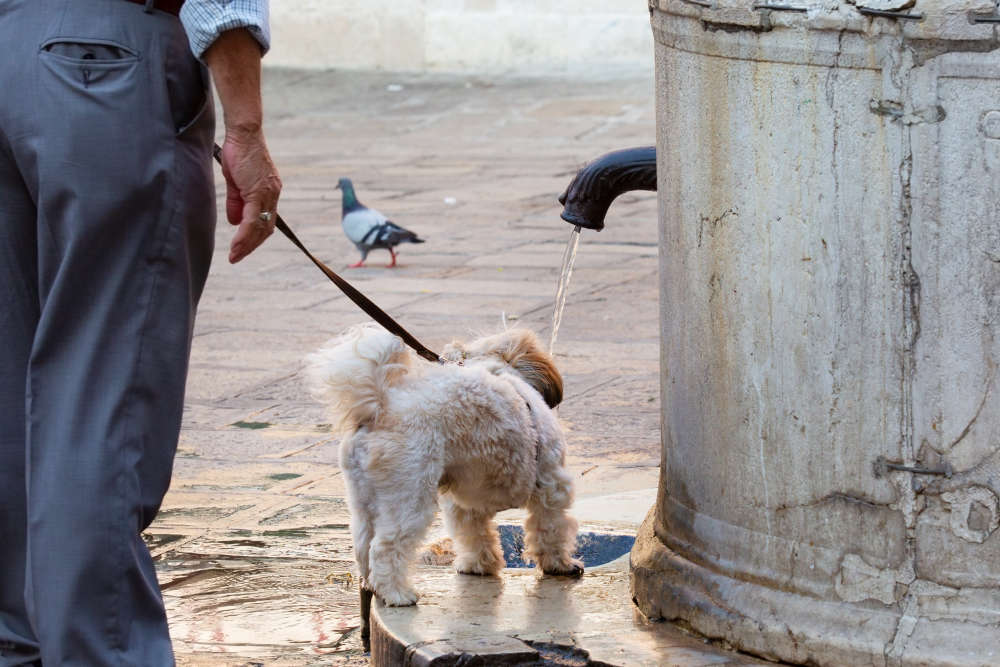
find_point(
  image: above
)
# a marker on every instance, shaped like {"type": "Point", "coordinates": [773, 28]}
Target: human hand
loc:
{"type": "Point", "coordinates": [252, 181]}
{"type": "Point", "coordinates": [252, 186]}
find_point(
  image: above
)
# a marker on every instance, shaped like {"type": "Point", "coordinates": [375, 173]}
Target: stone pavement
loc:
{"type": "Point", "coordinates": [252, 544]}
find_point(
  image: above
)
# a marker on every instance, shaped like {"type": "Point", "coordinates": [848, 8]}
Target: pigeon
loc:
{"type": "Point", "coordinates": [367, 228]}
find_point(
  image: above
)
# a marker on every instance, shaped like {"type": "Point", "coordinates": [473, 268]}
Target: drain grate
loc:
{"type": "Point", "coordinates": [592, 548]}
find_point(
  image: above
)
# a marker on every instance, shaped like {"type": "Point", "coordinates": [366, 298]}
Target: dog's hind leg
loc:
{"type": "Point", "coordinates": [361, 503]}
{"type": "Point", "coordinates": [362, 528]}
{"type": "Point", "coordinates": [550, 532]}
{"type": "Point", "coordinates": [404, 514]}
{"type": "Point", "coordinates": [477, 543]}
{"type": "Point", "coordinates": [361, 506]}
{"type": "Point", "coordinates": [360, 500]}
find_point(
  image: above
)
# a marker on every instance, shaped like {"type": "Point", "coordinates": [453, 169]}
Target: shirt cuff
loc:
{"type": "Point", "coordinates": [205, 20]}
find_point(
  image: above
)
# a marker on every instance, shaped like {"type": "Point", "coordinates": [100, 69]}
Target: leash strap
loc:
{"type": "Point", "coordinates": [352, 293]}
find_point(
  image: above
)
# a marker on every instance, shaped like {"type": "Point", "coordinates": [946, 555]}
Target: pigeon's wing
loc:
{"type": "Point", "coordinates": [358, 225]}
{"type": "Point", "coordinates": [389, 235]}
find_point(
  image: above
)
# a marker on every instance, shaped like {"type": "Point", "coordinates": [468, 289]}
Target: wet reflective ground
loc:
{"type": "Point", "coordinates": [264, 575]}
{"type": "Point", "coordinates": [252, 546]}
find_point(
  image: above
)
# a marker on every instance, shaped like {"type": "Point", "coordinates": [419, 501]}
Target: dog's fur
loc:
{"type": "Point", "coordinates": [479, 434]}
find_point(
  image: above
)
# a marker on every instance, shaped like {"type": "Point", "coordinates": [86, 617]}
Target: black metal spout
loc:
{"type": "Point", "coordinates": [590, 193]}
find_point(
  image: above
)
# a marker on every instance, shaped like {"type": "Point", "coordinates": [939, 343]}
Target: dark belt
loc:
{"type": "Point", "coordinates": [169, 6]}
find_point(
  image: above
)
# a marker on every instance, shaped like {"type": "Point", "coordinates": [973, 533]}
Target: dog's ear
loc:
{"type": "Point", "coordinates": [525, 355]}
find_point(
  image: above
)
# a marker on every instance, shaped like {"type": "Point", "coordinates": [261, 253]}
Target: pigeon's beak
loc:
{"type": "Point", "coordinates": [338, 186]}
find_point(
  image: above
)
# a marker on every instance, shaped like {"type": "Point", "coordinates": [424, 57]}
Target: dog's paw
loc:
{"type": "Point", "coordinates": [399, 597]}
{"type": "Point", "coordinates": [471, 565]}
{"type": "Point", "coordinates": [572, 569]}
{"type": "Point", "coordinates": [478, 571]}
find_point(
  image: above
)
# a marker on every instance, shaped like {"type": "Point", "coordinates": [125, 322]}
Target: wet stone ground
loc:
{"type": "Point", "coordinates": [252, 544]}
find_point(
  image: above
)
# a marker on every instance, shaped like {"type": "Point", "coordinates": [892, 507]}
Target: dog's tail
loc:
{"type": "Point", "coordinates": [352, 373]}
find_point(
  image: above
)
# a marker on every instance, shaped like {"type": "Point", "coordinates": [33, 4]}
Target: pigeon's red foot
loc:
{"type": "Point", "coordinates": [393, 263]}
{"type": "Point", "coordinates": [357, 265]}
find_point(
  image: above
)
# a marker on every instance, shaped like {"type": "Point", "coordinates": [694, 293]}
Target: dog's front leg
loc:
{"type": "Point", "coordinates": [550, 532]}
{"type": "Point", "coordinates": [477, 542]}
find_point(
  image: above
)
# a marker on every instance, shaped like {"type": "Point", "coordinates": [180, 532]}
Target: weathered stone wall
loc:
{"type": "Point", "coordinates": [829, 271]}
{"type": "Point", "coordinates": [462, 35]}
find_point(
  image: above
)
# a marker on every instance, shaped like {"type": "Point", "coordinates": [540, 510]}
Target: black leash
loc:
{"type": "Point", "coordinates": [353, 294]}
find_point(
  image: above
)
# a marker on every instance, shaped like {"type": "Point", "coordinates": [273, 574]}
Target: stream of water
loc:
{"type": "Point", "coordinates": [569, 257]}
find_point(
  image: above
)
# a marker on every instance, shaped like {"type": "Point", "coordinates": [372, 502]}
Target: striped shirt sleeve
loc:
{"type": "Point", "coordinates": [205, 20]}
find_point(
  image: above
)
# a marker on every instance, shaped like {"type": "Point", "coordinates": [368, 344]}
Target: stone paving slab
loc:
{"type": "Point", "coordinates": [522, 619]}
{"type": "Point", "coordinates": [252, 544]}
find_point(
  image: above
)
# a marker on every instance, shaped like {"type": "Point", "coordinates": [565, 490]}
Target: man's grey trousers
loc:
{"type": "Point", "coordinates": [107, 216]}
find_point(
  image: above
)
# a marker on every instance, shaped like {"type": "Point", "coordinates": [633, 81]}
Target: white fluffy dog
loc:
{"type": "Point", "coordinates": [480, 434]}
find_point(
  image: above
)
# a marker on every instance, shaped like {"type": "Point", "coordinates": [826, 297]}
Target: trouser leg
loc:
{"type": "Point", "coordinates": [124, 230]}
{"type": "Point", "coordinates": [18, 318]}
{"type": "Point", "coordinates": [106, 380]}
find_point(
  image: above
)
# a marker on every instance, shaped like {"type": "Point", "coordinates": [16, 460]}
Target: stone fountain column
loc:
{"type": "Point", "coordinates": [830, 306]}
